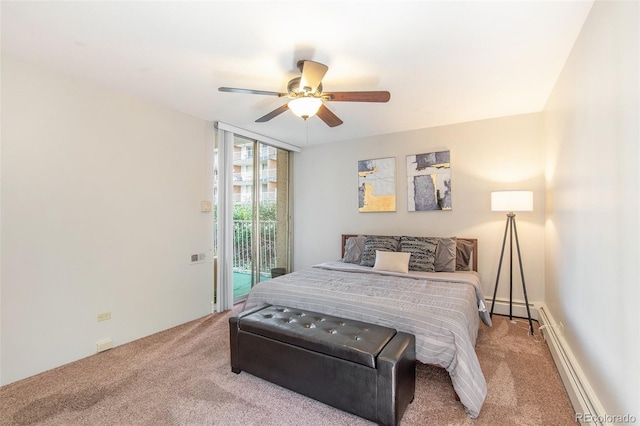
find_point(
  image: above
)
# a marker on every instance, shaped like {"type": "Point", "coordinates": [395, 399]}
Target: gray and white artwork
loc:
{"type": "Point", "coordinates": [429, 181]}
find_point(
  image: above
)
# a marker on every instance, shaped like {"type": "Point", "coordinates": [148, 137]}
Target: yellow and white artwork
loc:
{"type": "Point", "coordinates": [377, 185]}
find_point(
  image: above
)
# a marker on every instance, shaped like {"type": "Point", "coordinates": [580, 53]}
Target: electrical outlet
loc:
{"type": "Point", "coordinates": [194, 258]}
{"type": "Point", "coordinates": [103, 316]}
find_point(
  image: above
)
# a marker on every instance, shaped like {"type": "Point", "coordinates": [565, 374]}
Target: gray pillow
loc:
{"type": "Point", "coordinates": [423, 252]}
{"type": "Point", "coordinates": [446, 255]}
{"type": "Point", "coordinates": [463, 255]}
{"type": "Point", "coordinates": [353, 249]}
{"type": "Point", "coordinates": [377, 242]}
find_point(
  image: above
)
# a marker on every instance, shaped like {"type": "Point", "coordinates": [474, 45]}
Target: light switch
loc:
{"type": "Point", "coordinates": [205, 206]}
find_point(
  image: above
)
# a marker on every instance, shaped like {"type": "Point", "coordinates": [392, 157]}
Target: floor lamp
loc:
{"type": "Point", "coordinates": [510, 202]}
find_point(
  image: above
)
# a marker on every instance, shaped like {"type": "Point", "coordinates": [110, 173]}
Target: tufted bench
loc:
{"type": "Point", "coordinates": [362, 368]}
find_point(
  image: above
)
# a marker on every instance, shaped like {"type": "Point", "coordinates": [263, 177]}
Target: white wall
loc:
{"type": "Point", "coordinates": [592, 228]}
{"type": "Point", "coordinates": [488, 155]}
{"type": "Point", "coordinates": [100, 212]}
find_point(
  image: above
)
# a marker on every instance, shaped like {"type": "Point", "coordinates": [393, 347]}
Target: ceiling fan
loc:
{"type": "Point", "coordinates": [307, 98]}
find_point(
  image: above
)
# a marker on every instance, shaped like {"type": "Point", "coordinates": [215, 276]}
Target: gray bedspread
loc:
{"type": "Point", "coordinates": [442, 310]}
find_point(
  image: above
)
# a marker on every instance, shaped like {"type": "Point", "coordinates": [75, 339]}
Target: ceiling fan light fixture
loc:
{"type": "Point", "coordinates": [305, 107]}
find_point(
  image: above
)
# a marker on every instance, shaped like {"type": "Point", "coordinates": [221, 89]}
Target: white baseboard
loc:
{"type": "Point", "coordinates": [587, 406]}
{"type": "Point", "coordinates": [519, 309]}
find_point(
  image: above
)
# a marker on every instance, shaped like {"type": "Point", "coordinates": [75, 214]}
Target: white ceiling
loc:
{"type": "Point", "coordinates": [443, 61]}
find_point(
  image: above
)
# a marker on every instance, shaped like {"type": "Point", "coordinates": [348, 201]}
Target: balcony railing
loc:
{"type": "Point", "coordinates": [266, 175]}
{"type": "Point", "coordinates": [242, 239]}
{"type": "Point", "coordinates": [247, 197]}
{"type": "Point", "coordinates": [247, 155]}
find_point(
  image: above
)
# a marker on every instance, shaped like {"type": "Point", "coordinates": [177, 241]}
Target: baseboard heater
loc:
{"type": "Point", "coordinates": [584, 400]}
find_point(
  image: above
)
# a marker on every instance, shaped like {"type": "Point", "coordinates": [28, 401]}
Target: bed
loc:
{"type": "Point", "coordinates": [442, 305]}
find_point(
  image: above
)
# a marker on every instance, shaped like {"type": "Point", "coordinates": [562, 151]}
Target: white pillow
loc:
{"type": "Point", "coordinates": [392, 261]}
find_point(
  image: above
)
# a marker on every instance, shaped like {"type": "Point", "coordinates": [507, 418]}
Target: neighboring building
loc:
{"type": "Point", "coordinates": [243, 165]}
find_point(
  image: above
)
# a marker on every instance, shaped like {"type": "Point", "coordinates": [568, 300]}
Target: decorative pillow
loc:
{"type": "Point", "coordinates": [446, 255]}
{"type": "Point", "coordinates": [423, 252]}
{"type": "Point", "coordinates": [392, 261]}
{"type": "Point", "coordinates": [463, 255]}
{"type": "Point", "coordinates": [377, 242]}
{"type": "Point", "coordinates": [353, 249]}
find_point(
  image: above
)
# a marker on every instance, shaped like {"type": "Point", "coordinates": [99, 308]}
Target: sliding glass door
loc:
{"type": "Point", "coordinates": [260, 214]}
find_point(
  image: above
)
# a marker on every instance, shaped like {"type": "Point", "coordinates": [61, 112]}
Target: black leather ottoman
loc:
{"type": "Point", "coordinates": [362, 368]}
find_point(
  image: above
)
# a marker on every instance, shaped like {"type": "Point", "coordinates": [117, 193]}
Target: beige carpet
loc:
{"type": "Point", "coordinates": [182, 377]}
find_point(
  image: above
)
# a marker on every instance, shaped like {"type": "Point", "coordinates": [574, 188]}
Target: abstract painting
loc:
{"type": "Point", "coordinates": [377, 185]}
{"type": "Point", "coordinates": [429, 181]}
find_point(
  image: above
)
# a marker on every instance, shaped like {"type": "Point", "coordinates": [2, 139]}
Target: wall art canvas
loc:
{"type": "Point", "coordinates": [429, 181]}
{"type": "Point", "coordinates": [377, 185]}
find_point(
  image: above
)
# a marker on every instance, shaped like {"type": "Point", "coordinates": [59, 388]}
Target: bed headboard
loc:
{"type": "Point", "coordinates": [473, 241]}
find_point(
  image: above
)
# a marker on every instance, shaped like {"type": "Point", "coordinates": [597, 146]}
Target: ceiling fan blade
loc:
{"type": "Point", "coordinates": [328, 117]}
{"type": "Point", "coordinates": [376, 96]}
{"type": "Point", "coordinates": [276, 112]}
{"type": "Point", "coordinates": [250, 91]}
{"type": "Point", "coordinates": [312, 74]}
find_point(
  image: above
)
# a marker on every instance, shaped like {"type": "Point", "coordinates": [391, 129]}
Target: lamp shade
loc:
{"type": "Point", "coordinates": [512, 201]}
{"type": "Point", "coordinates": [305, 107]}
